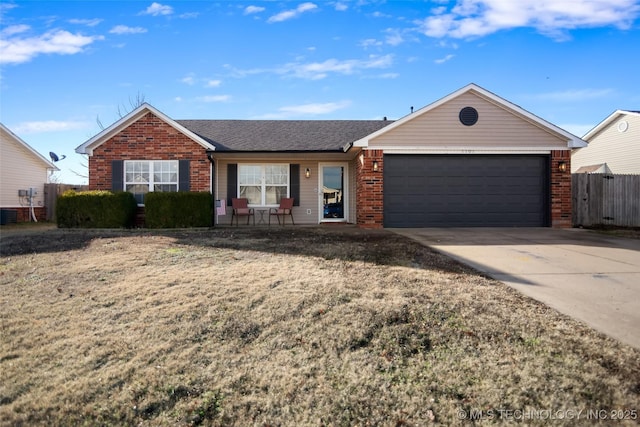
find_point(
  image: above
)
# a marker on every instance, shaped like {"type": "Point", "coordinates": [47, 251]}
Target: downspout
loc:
{"type": "Point", "coordinates": [213, 186]}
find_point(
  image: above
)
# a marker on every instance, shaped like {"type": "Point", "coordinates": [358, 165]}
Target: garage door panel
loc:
{"type": "Point", "coordinates": [465, 190]}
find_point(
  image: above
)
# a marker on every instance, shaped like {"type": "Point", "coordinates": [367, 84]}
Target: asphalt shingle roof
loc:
{"type": "Point", "coordinates": [282, 135]}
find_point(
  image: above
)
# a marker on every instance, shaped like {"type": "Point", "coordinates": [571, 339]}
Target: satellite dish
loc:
{"type": "Point", "coordinates": [55, 158]}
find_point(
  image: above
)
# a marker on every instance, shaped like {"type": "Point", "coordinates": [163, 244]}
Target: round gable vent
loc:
{"type": "Point", "coordinates": [468, 116]}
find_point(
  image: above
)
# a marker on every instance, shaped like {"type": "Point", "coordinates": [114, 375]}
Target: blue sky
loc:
{"type": "Point", "coordinates": [64, 64]}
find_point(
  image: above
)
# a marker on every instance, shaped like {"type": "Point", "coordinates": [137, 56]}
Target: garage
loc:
{"type": "Point", "coordinates": [466, 190]}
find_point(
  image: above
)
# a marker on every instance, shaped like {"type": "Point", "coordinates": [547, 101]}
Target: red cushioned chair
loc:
{"type": "Point", "coordinates": [241, 208]}
{"type": "Point", "coordinates": [285, 208]}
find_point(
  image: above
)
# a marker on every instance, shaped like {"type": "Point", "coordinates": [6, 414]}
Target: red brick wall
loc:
{"type": "Point", "coordinates": [369, 203]}
{"type": "Point", "coordinates": [24, 214]}
{"type": "Point", "coordinates": [149, 138]}
{"type": "Point", "coordinates": [560, 190]}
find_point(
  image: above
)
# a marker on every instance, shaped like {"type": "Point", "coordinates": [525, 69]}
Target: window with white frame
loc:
{"type": "Point", "coordinates": [263, 184]}
{"type": "Point", "coordinates": [144, 176]}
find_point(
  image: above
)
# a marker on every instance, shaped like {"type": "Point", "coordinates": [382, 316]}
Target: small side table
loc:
{"type": "Point", "coordinates": [261, 212]}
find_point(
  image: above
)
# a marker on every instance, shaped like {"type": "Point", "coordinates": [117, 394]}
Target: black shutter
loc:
{"type": "Point", "coordinates": [117, 175]}
{"type": "Point", "coordinates": [184, 183]}
{"type": "Point", "coordinates": [294, 182]}
{"type": "Point", "coordinates": [232, 182]}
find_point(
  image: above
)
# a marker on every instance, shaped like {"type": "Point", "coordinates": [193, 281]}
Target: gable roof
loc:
{"type": "Point", "coordinates": [19, 141]}
{"type": "Point", "coordinates": [612, 117]}
{"type": "Point", "coordinates": [282, 135]}
{"type": "Point", "coordinates": [100, 138]}
{"type": "Point", "coordinates": [572, 140]}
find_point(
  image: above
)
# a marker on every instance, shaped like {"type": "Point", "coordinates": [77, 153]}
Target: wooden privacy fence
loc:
{"type": "Point", "coordinates": [605, 199]}
{"type": "Point", "coordinates": [51, 193]}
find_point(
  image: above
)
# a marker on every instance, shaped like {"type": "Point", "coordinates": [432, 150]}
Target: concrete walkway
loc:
{"type": "Point", "coordinates": [592, 277]}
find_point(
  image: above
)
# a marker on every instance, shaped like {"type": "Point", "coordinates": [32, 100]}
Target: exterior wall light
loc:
{"type": "Point", "coordinates": [562, 166]}
{"type": "Point", "coordinates": [375, 166]}
{"type": "Point", "coordinates": [307, 173]}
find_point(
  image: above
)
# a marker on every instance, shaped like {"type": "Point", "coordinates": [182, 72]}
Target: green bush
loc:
{"type": "Point", "coordinates": [95, 209]}
{"type": "Point", "coordinates": [178, 210]}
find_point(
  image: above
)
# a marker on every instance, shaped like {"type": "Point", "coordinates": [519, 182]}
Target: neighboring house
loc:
{"type": "Point", "coordinates": [468, 159]}
{"type": "Point", "coordinates": [23, 173]}
{"type": "Point", "coordinates": [614, 146]}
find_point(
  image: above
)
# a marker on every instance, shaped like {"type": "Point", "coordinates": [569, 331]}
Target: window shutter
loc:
{"type": "Point", "coordinates": [294, 182]}
{"type": "Point", "coordinates": [232, 182]}
{"type": "Point", "coordinates": [184, 178]}
{"type": "Point", "coordinates": [117, 175]}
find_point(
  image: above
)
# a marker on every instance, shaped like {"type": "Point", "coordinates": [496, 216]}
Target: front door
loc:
{"type": "Point", "coordinates": [333, 192]}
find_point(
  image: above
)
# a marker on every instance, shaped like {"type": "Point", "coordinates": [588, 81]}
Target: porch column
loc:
{"type": "Point", "coordinates": [369, 188]}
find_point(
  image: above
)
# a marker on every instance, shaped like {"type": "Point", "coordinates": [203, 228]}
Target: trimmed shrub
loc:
{"type": "Point", "coordinates": [178, 210]}
{"type": "Point", "coordinates": [95, 209]}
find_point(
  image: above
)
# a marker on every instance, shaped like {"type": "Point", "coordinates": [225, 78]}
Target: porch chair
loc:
{"type": "Point", "coordinates": [285, 208]}
{"type": "Point", "coordinates": [241, 208]}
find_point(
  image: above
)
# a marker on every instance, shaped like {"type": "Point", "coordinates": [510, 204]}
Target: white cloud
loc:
{"type": "Point", "coordinates": [394, 37]}
{"type": "Point", "coordinates": [445, 59]}
{"type": "Point", "coordinates": [341, 7]}
{"type": "Point", "coordinates": [389, 76]}
{"type": "Point", "coordinates": [14, 29]}
{"type": "Point", "coordinates": [87, 22]}
{"type": "Point", "coordinates": [378, 14]}
{"type": "Point", "coordinates": [16, 50]}
{"type": "Point", "coordinates": [123, 29]}
{"type": "Point", "coordinates": [315, 109]}
{"type": "Point", "coordinates": [214, 98]}
{"type": "Point", "coordinates": [157, 9]}
{"type": "Point", "coordinates": [370, 43]}
{"type": "Point", "coordinates": [189, 79]}
{"type": "Point", "coordinates": [320, 70]}
{"type": "Point", "coordinates": [312, 109]}
{"type": "Point", "coordinates": [292, 13]}
{"type": "Point", "coordinates": [477, 18]}
{"type": "Point", "coordinates": [253, 9]}
{"type": "Point", "coordinates": [213, 83]}
{"type": "Point", "coordinates": [574, 95]}
{"type": "Point", "coordinates": [50, 126]}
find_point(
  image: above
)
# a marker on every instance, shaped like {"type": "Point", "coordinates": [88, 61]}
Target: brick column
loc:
{"type": "Point", "coordinates": [369, 187]}
{"type": "Point", "coordinates": [560, 190]}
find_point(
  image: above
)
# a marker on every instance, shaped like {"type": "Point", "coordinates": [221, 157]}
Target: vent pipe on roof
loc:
{"type": "Point", "coordinates": [384, 119]}
{"type": "Point", "coordinates": [412, 109]}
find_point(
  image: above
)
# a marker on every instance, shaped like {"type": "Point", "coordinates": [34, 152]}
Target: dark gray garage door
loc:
{"type": "Point", "coordinates": [466, 190]}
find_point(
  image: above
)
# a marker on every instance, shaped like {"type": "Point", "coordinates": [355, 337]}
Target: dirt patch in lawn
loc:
{"type": "Point", "coordinates": [285, 326]}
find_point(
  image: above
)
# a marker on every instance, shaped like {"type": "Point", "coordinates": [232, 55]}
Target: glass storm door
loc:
{"type": "Point", "coordinates": [333, 185]}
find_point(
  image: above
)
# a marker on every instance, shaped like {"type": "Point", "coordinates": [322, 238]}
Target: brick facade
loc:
{"type": "Point", "coordinates": [560, 189]}
{"type": "Point", "coordinates": [369, 186]}
{"type": "Point", "coordinates": [369, 189]}
{"type": "Point", "coordinates": [149, 138]}
{"type": "Point", "coordinates": [23, 214]}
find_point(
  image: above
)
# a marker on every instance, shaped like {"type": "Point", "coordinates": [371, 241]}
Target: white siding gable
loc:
{"type": "Point", "coordinates": [616, 142]}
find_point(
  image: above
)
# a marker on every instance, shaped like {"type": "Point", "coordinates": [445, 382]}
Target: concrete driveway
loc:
{"type": "Point", "coordinates": [591, 277]}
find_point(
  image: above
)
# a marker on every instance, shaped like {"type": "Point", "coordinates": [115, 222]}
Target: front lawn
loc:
{"type": "Point", "coordinates": [314, 326]}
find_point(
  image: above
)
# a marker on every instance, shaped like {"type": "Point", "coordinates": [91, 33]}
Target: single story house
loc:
{"type": "Point", "coordinates": [614, 146]}
{"type": "Point", "coordinates": [468, 159]}
{"type": "Point", "coordinates": [23, 174]}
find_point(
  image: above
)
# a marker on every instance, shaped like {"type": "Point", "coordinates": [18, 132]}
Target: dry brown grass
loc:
{"type": "Point", "coordinates": [305, 326]}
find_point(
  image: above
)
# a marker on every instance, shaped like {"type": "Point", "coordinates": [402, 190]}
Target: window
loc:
{"type": "Point", "coordinates": [143, 176]}
{"type": "Point", "coordinates": [263, 184]}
